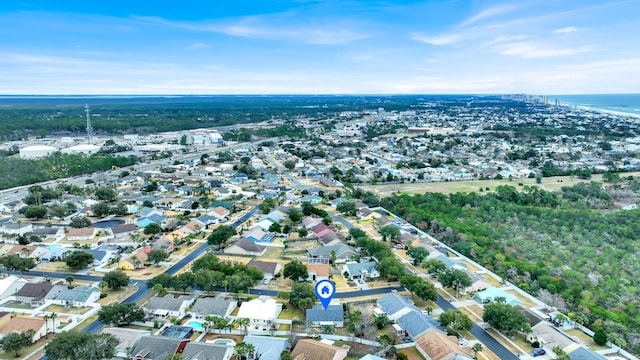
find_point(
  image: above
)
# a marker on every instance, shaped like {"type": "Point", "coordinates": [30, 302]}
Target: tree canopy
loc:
{"type": "Point", "coordinates": [116, 279]}
{"type": "Point", "coordinates": [295, 270]}
{"type": "Point", "coordinates": [78, 259]}
{"type": "Point", "coordinates": [72, 345]}
{"type": "Point", "coordinates": [121, 314]}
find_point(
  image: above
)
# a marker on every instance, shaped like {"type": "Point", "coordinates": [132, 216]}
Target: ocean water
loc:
{"type": "Point", "coordinates": [622, 103]}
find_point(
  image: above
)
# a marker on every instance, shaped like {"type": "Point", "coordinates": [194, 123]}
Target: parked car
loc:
{"type": "Point", "coordinates": [538, 352]}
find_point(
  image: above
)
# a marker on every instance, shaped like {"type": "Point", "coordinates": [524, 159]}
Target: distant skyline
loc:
{"type": "Point", "coordinates": [319, 47]}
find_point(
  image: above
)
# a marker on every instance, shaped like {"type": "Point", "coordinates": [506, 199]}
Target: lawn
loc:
{"type": "Point", "coordinates": [18, 305]}
{"type": "Point", "coordinates": [412, 353]}
{"type": "Point", "coordinates": [58, 309]}
{"type": "Point", "coordinates": [525, 299]}
{"type": "Point", "coordinates": [291, 313]}
{"type": "Point", "coordinates": [586, 339]}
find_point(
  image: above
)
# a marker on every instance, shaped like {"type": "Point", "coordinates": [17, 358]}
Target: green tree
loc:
{"type": "Point", "coordinates": [80, 222]}
{"type": "Point", "coordinates": [302, 295]}
{"type": "Point", "coordinates": [295, 215]}
{"type": "Point", "coordinates": [275, 228]}
{"type": "Point", "coordinates": [116, 279]}
{"type": "Point", "coordinates": [220, 235]}
{"type": "Point", "coordinates": [35, 212]}
{"type": "Point", "coordinates": [70, 345]}
{"type": "Point", "coordinates": [289, 164]}
{"type": "Point", "coordinates": [434, 266]}
{"type": "Point", "coordinates": [101, 210]}
{"type": "Point", "coordinates": [69, 279]}
{"type": "Point", "coordinates": [390, 233]}
{"type": "Point", "coordinates": [455, 321]}
{"type": "Point", "coordinates": [295, 270]}
{"type": "Point", "coordinates": [381, 321]}
{"type": "Point", "coordinates": [560, 354]}
{"type": "Point", "coordinates": [347, 208]}
{"type": "Point", "coordinates": [243, 323]}
{"type": "Point", "coordinates": [504, 317]}
{"type": "Point", "coordinates": [157, 256]}
{"type": "Point", "coordinates": [267, 205]}
{"type": "Point", "coordinates": [152, 229]}
{"type": "Point", "coordinates": [390, 267]}
{"type": "Point", "coordinates": [418, 254]}
{"type": "Point", "coordinates": [455, 279]}
{"type": "Point", "coordinates": [78, 259]}
{"type": "Point", "coordinates": [285, 355]}
{"type": "Point", "coordinates": [476, 348]}
{"type": "Point", "coordinates": [600, 336]}
{"type": "Point", "coordinates": [244, 350]}
{"type": "Point", "coordinates": [14, 341]}
{"type": "Point", "coordinates": [121, 314]}
{"type": "Point", "coordinates": [106, 194]}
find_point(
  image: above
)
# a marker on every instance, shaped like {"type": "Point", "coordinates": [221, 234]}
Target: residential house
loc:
{"type": "Point", "coordinates": [54, 254]}
{"type": "Point", "coordinates": [10, 285]}
{"type": "Point", "coordinates": [153, 218]}
{"type": "Point", "coordinates": [49, 233]}
{"type": "Point", "coordinates": [78, 296]}
{"type": "Point", "coordinates": [164, 244]}
{"type": "Point", "coordinates": [414, 324]}
{"type": "Point", "coordinates": [490, 295]}
{"type": "Point", "coordinates": [192, 227]}
{"type": "Point", "coordinates": [206, 351]}
{"type": "Point", "coordinates": [20, 323]}
{"type": "Point", "coordinates": [437, 345]}
{"type": "Point", "coordinates": [264, 224]}
{"type": "Point", "coordinates": [206, 220]}
{"type": "Point", "coordinates": [450, 264]}
{"type": "Point", "coordinates": [267, 347]}
{"type": "Point", "coordinates": [342, 253]}
{"type": "Point", "coordinates": [269, 269]}
{"type": "Point", "coordinates": [16, 228]}
{"type": "Point", "coordinates": [361, 270]}
{"type": "Point", "coordinates": [127, 339]}
{"type": "Point", "coordinates": [158, 347]}
{"type": "Point", "coordinates": [257, 235]}
{"type": "Point", "coordinates": [394, 306]}
{"type": "Point", "coordinates": [549, 336]}
{"type": "Point", "coordinates": [218, 306]}
{"type": "Point", "coordinates": [309, 222]}
{"type": "Point", "coordinates": [478, 283]}
{"type": "Point", "coordinates": [331, 238]}
{"type": "Point", "coordinates": [333, 315]}
{"type": "Point", "coordinates": [81, 234]}
{"type": "Point", "coordinates": [308, 349]}
{"type": "Point", "coordinates": [100, 257]}
{"type": "Point", "coordinates": [136, 260]}
{"type": "Point", "coordinates": [123, 230]}
{"type": "Point", "coordinates": [221, 213]}
{"type": "Point", "coordinates": [36, 294]}
{"type": "Point", "coordinates": [318, 272]}
{"type": "Point", "coordinates": [579, 352]}
{"type": "Point", "coordinates": [169, 306]}
{"type": "Point", "coordinates": [261, 313]}
{"type": "Point", "coordinates": [245, 247]}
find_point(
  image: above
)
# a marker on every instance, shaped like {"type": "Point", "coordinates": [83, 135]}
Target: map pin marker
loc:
{"type": "Point", "coordinates": [325, 291]}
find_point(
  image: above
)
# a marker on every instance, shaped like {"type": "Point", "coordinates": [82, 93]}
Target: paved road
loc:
{"type": "Point", "coordinates": [342, 221]}
{"type": "Point", "coordinates": [481, 335]}
{"type": "Point", "coordinates": [143, 290]}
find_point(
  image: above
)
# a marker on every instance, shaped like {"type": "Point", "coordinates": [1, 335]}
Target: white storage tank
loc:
{"type": "Point", "coordinates": [36, 151]}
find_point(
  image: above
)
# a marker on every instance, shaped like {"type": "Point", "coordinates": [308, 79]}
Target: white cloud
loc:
{"type": "Point", "coordinates": [529, 50]}
{"type": "Point", "coordinates": [197, 46]}
{"type": "Point", "coordinates": [444, 39]}
{"type": "Point", "coordinates": [566, 30]}
{"type": "Point", "coordinates": [283, 26]}
{"type": "Point", "coordinates": [489, 13]}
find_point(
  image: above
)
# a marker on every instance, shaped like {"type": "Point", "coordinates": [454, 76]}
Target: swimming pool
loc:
{"type": "Point", "coordinates": [227, 342]}
{"type": "Point", "coordinates": [196, 325]}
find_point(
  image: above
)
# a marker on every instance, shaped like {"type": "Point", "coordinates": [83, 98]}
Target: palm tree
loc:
{"type": "Point", "coordinates": [476, 348]}
{"type": "Point", "coordinates": [225, 283]}
{"type": "Point", "coordinates": [244, 323]}
{"type": "Point", "coordinates": [69, 280]}
{"type": "Point", "coordinates": [46, 325]}
{"type": "Point", "coordinates": [53, 317]}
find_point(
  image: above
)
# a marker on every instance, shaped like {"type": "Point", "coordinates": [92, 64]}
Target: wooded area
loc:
{"type": "Point", "coordinates": [552, 241]}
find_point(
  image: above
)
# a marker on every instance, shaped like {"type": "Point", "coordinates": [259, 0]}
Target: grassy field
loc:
{"type": "Point", "coordinates": [549, 183]}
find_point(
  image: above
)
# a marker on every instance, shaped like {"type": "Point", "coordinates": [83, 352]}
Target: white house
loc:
{"type": "Point", "coordinates": [261, 313]}
{"type": "Point", "coordinates": [10, 285]}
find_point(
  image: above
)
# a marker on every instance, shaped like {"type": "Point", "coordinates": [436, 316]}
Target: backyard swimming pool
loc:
{"type": "Point", "coordinates": [107, 223]}
{"type": "Point", "coordinates": [196, 325]}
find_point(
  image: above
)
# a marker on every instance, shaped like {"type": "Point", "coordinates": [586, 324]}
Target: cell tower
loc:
{"type": "Point", "coordinates": [89, 128]}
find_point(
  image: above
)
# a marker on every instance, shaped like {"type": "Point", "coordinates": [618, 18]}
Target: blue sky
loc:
{"type": "Point", "coordinates": [319, 46]}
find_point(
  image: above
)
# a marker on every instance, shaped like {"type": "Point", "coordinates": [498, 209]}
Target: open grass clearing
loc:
{"type": "Point", "coordinates": [412, 353]}
{"type": "Point", "coordinates": [586, 339]}
{"type": "Point", "coordinates": [58, 309]}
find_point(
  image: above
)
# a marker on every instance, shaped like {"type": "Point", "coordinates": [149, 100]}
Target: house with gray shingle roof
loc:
{"type": "Point", "coordinates": [394, 306]}
{"type": "Point", "coordinates": [169, 306]}
{"type": "Point", "coordinates": [215, 306]}
{"type": "Point", "coordinates": [205, 351]}
{"type": "Point", "coordinates": [333, 315]}
{"type": "Point", "coordinates": [267, 347]}
{"type": "Point", "coordinates": [361, 270]}
{"type": "Point", "coordinates": [78, 296]}
{"type": "Point", "coordinates": [414, 323]}
{"type": "Point", "coordinates": [342, 251]}
{"type": "Point", "coordinates": [245, 246]}
{"type": "Point", "coordinates": [158, 347]}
